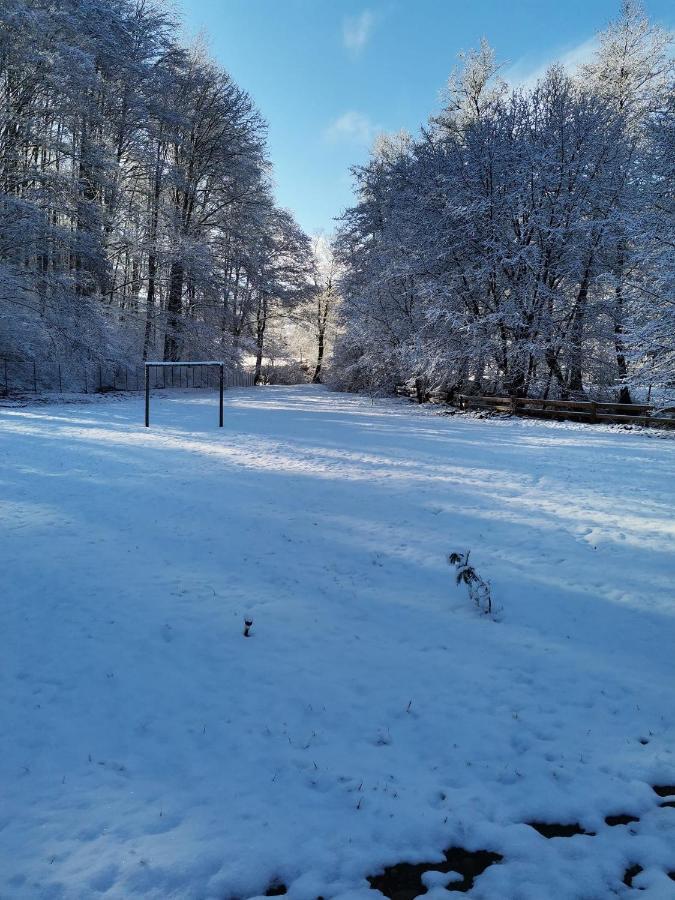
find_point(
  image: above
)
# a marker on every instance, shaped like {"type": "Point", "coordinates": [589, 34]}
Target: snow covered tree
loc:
{"type": "Point", "coordinates": [632, 72]}
{"type": "Point", "coordinates": [508, 248]}
{"type": "Point", "coordinates": [134, 189]}
{"type": "Point", "coordinates": [323, 306]}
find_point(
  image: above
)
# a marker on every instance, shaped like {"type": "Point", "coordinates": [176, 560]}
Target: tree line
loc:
{"type": "Point", "coordinates": [137, 217]}
{"type": "Point", "coordinates": [523, 242]}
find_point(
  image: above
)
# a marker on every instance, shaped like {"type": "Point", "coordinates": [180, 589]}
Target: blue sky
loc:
{"type": "Point", "coordinates": [328, 74]}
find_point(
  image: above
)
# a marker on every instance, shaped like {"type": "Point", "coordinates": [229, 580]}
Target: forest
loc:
{"type": "Point", "coordinates": [137, 215]}
{"type": "Point", "coordinates": [523, 242]}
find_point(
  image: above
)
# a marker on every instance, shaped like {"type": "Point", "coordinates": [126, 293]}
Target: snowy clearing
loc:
{"type": "Point", "coordinates": [374, 717]}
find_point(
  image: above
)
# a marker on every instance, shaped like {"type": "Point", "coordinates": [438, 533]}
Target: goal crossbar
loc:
{"type": "Point", "coordinates": [192, 364]}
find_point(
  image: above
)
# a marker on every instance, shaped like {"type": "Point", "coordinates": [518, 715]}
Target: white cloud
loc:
{"type": "Point", "coordinates": [525, 73]}
{"type": "Point", "coordinates": [356, 30]}
{"type": "Point", "coordinates": [352, 127]}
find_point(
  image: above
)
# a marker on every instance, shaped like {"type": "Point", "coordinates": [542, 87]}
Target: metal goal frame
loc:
{"type": "Point", "coordinates": [214, 364]}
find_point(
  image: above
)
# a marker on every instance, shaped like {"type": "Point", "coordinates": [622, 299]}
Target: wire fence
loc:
{"type": "Point", "coordinates": [30, 376]}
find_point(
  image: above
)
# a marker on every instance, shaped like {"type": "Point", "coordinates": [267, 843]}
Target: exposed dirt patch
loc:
{"type": "Point", "coordinates": [403, 881]}
{"type": "Point", "coordinates": [556, 829]}
{"type": "Point", "coordinates": [664, 790]}
{"type": "Point", "coordinates": [276, 889]}
{"type": "Point", "coordinates": [621, 819]}
{"type": "Point", "coordinates": [630, 874]}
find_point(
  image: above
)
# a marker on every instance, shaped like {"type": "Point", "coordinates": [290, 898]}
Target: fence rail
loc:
{"type": "Point", "coordinates": [28, 376]}
{"type": "Point", "coordinates": [423, 394]}
{"type": "Point", "coordinates": [575, 410]}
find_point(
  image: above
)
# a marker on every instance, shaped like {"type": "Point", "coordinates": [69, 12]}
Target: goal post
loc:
{"type": "Point", "coordinates": [214, 364]}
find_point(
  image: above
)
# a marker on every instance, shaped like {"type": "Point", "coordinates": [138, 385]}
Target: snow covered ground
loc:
{"type": "Point", "coordinates": [148, 749]}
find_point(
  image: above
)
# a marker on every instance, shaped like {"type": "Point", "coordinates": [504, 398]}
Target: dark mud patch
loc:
{"type": "Point", "coordinates": [403, 881]}
{"type": "Point", "coordinates": [558, 829]}
{"type": "Point", "coordinates": [630, 874]}
{"type": "Point", "coordinates": [664, 790]}
{"type": "Point", "coordinates": [620, 819]}
{"type": "Point", "coordinates": [276, 889]}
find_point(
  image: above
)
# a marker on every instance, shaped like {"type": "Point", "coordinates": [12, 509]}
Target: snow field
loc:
{"type": "Point", "coordinates": [150, 750]}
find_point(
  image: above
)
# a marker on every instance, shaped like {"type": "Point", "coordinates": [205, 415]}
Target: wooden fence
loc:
{"type": "Point", "coordinates": [574, 410]}
{"type": "Point", "coordinates": [433, 395]}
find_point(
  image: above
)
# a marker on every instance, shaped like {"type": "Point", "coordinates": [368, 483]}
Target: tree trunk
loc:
{"type": "Point", "coordinates": [174, 308]}
{"type": "Point", "coordinates": [152, 254]}
{"type": "Point", "coordinates": [621, 364]}
{"type": "Point", "coordinates": [149, 304]}
{"type": "Point", "coordinates": [261, 322]}
{"type": "Point", "coordinates": [576, 333]}
{"type": "Point", "coordinates": [316, 378]}
{"type": "Point", "coordinates": [421, 389]}
{"type": "Point", "coordinates": [554, 368]}
{"type": "Point", "coordinates": [259, 341]}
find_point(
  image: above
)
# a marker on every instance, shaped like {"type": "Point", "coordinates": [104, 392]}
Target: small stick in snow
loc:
{"type": "Point", "coordinates": [248, 624]}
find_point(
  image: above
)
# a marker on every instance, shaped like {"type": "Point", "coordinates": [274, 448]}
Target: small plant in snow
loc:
{"type": "Point", "coordinates": [383, 738]}
{"type": "Point", "coordinates": [479, 590]}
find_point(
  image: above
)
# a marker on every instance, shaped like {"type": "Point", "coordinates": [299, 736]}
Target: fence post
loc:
{"type": "Point", "coordinates": [147, 396]}
{"type": "Point", "coordinates": [221, 395]}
